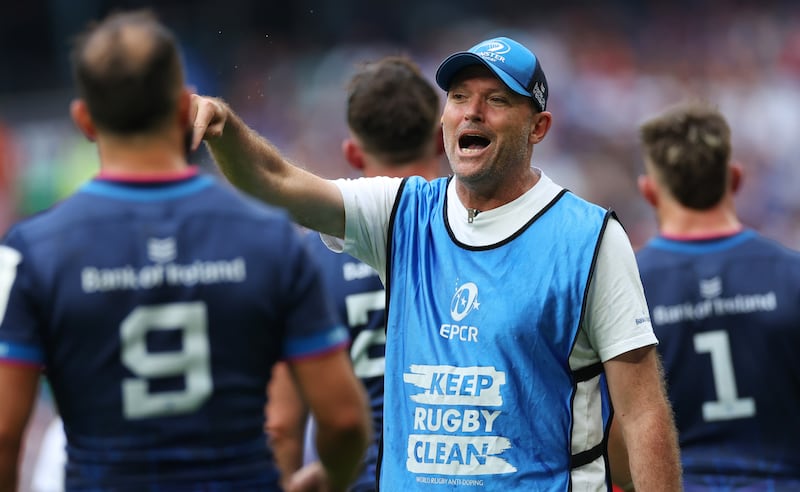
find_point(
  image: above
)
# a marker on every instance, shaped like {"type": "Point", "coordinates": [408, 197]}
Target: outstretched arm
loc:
{"type": "Point", "coordinates": [255, 166]}
{"type": "Point", "coordinates": [644, 416]}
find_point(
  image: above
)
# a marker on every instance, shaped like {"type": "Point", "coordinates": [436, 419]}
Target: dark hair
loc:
{"type": "Point", "coordinates": [689, 149]}
{"type": "Point", "coordinates": [128, 70]}
{"type": "Point", "coordinates": [392, 109]}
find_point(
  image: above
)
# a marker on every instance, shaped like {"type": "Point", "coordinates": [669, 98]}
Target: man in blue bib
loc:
{"type": "Point", "coordinates": [511, 301]}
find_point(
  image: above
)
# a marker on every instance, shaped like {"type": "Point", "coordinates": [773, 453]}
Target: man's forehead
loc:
{"type": "Point", "coordinates": [477, 71]}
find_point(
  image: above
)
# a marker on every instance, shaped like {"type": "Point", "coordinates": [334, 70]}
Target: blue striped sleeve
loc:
{"type": "Point", "coordinates": [25, 354]}
{"type": "Point", "coordinates": [318, 344]}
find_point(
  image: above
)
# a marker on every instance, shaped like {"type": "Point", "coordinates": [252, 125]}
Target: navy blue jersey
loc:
{"type": "Point", "coordinates": [727, 314]}
{"type": "Point", "coordinates": [360, 301]}
{"type": "Point", "coordinates": [158, 311]}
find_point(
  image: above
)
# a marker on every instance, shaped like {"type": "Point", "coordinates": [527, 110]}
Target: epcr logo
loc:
{"type": "Point", "coordinates": [496, 47]}
{"type": "Point", "coordinates": [464, 300]}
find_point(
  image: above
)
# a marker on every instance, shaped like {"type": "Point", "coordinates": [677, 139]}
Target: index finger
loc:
{"type": "Point", "coordinates": [200, 114]}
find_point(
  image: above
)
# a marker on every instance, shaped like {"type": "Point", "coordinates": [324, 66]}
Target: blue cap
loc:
{"type": "Point", "coordinates": [513, 63]}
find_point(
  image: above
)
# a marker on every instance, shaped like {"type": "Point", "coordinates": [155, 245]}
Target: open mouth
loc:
{"type": "Point", "coordinates": [473, 143]}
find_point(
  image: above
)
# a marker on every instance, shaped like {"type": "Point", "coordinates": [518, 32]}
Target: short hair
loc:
{"type": "Point", "coordinates": [392, 109]}
{"type": "Point", "coordinates": [128, 70]}
{"type": "Point", "coordinates": [689, 150]}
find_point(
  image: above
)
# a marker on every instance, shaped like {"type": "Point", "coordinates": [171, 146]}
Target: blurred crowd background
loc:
{"type": "Point", "coordinates": [283, 67]}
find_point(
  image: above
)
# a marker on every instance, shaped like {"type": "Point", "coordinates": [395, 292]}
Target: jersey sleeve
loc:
{"type": "Point", "coordinates": [368, 206]}
{"type": "Point", "coordinates": [312, 325]}
{"type": "Point", "coordinates": [617, 318]}
{"type": "Point", "coordinates": [20, 341]}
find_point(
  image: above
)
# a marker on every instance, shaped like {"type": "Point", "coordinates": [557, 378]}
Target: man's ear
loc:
{"type": "Point", "coordinates": [352, 152]}
{"type": "Point", "coordinates": [647, 188]}
{"type": "Point", "coordinates": [184, 107]}
{"type": "Point", "coordinates": [541, 126]}
{"type": "Point", "coordinates": [82, 119]}
{"type": "Point", "coordinates": [737, 177]}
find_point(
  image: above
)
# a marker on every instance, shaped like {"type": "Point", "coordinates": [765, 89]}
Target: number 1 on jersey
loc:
{"type": "Point", "coordinates": [728, 405]}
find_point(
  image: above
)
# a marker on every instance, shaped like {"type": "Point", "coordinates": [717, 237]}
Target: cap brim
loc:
{"type": "Point", "coordinates": [458, 61]}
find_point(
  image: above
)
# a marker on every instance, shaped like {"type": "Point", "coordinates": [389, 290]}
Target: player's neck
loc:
{"type": "Point", "coordinates": [147, 158]}
{"type": "Point", "coordinates": [693, 224]}
{"type": "Point", "coordinates": [428, 168]}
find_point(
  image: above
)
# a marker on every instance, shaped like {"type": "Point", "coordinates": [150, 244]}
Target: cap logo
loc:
{"type": "Point", "coordinates": [512, 63]}
{"type": "Point", "coordinates": [493, 51]}
{"type": "Point", "coordinates": [496, 47]}
{"type": "Point", "coordinates": [538, 93]}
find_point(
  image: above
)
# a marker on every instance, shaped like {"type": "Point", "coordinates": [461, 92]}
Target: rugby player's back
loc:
{"type": "Point", "coordinates": [726, 312]}
{"type": "Point", "coordinates": [160, 309]}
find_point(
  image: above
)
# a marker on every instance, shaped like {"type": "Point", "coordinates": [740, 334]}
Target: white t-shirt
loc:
{"type": "Point", "coordinates": [617, 318]}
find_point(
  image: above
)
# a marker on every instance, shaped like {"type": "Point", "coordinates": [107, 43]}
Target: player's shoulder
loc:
{"type": "Point", "coordinates": [660, 253]}
{"type": "Point", "coordinates": [228, 200]}
{"type": "Point", "coordinates": [747, 245]}
{"type": "Point", "coordinates": [647, 252]}
{"type": "Point", "coordinates": [768, 245]}
{"type": "Point", "coordinates": [44, 223]}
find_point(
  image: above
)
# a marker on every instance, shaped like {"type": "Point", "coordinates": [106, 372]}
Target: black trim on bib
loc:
{"type": "Point", "coordinates": [586, 457]}
{"type": "Point", "coordinates": [588, 372]}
